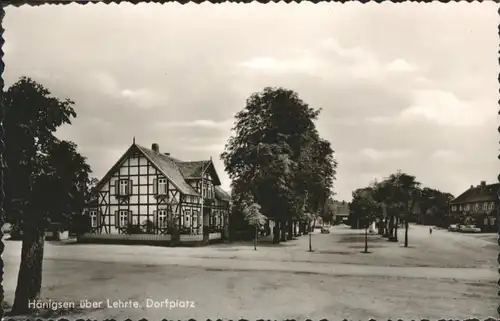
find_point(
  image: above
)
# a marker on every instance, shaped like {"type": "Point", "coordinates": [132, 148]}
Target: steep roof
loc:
{"type": "Point", "coordinates": [169, 168]}
{"type": "Point", "coordinates": [193, 169]}
{"type": "Point", "coordinates": [175, 170]}
{"type": "Point", "coordinates": [222, 194]}
{"type": "Point", "coordinates": [478, 193]}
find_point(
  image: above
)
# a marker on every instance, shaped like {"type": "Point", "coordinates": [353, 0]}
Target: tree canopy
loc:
{"type": "Point", "coordinates": [400, 197]}
{"type": "Point", "coordinates": [46, 179]}
{"type": "Point", "coordinates": [277, 156]}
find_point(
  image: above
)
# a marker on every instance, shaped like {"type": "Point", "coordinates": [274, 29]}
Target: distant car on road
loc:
{"type": "Point", "coordinates": [453, 228]}
{"type": "Point", "coordinates": [325, 230]}
{"type": "Point", "coordinates": [469, 229]}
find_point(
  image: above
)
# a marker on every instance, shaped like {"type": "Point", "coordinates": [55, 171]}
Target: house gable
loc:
{"type": "Point", "coordinates": [193, 170]}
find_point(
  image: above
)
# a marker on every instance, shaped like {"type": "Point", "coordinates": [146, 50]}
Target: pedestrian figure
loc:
{"type": "Point", "coordinates": [430, 229]}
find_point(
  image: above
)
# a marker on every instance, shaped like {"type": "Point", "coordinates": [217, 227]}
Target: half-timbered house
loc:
{"type": "Point", "coordinates": [151, 196]}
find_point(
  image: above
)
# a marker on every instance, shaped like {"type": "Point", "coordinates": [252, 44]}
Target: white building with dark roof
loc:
{"type": "Point", "coordinates": [150, 196]}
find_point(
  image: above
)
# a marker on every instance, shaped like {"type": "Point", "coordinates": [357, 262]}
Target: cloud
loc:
{"type": "Point", "coordinates": [143, 98]}
{"type": "Point", "coordinates": [401, 65]}
{"type": "Point", "coordinates": [384, 155]}
{"type": "Point", "coordinates": [417, 92]}
{"type": "Point", "coordinates": [198, 123]}
{"type": "Point", "coordinates": [214, 148]}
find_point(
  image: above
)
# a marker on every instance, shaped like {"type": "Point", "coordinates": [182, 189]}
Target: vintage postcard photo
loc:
{"type": "Point", "coordinates": [257, 161]}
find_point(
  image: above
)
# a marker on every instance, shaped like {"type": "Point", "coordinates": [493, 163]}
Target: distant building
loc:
{"type": "Point", "coordinates": [477, 205]}
{"type": "Point", "coordinates": [342, 212]}
{"type": "Point", "coordinates": [150, 196]}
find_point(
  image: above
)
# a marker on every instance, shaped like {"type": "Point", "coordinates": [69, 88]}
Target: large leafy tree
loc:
{"type": "Point", "coordinates": [397, 195]}
{"type": "Point", "coordinates": [46, 179]}
{"type": "Point", "coordinates": [277, 158]}
{"type": "Point", "coordinates": [433, 206]}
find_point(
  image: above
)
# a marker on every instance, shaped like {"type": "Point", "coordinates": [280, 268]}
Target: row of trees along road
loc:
{"type": "Point", "coordinates": [278, 160]}
{"type": "Point", "coordinates": [46, 179]}
{"type": "Point", "coordinates": [397, 199]}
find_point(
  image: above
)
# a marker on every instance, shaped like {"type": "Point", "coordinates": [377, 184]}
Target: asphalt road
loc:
{"type": "Point", "coordinates": [440, 275]}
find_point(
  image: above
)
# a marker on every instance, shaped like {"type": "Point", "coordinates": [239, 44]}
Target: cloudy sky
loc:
{"type": "Point", "coordinates": [406, 86]}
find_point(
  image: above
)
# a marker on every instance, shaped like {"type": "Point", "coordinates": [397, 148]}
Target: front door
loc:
{"type": "Point", "coordinates": [206, 222]}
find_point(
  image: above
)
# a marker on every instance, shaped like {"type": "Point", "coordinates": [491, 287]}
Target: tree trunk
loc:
{"type": "Point", "coordinates": [29, 281]}
{"type": "Point", "coordinates": [406, 232]}
{"type": "Point", "coordinates": [396, 229]}
{"type": "Point", "coordinates": [276, 232]}
{"type": "Point", "coordinates": [255, 238]}
{"type": "Point", "coordinates": [290, 230]}
{"type": "Point", "coordinates": [366, 239]}
{"type": "Point", "coordinates": [391, 227]}
{"type": "Point", "coordinates": [310, 239]}
{"type": "Point", "coordinates": [283, 230]}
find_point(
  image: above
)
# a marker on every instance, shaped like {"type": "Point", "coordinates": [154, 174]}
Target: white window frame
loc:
{"type": "Point", "coordinates": [123, 218]}
{"type": "Point", "coordinates": [162, 218]}
{"type": "Point", "coordinates": [187, 215]}
{"type": "Point", "coordinates": [485, 206]}
{"type": "Point", "coordinates": [123, 187]}
{"type": "Point", "coordinates": [492, 205]}
{"type": "Point", "coordinates": [93, 218]}
{"type": "Point", "coordinates": [454, 208]}
{"type": "Point", "coordinates": [162, 186]}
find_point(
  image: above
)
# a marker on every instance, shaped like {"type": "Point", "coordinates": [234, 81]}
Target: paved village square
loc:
{"type": "Point", "coordinates": [443, 274]}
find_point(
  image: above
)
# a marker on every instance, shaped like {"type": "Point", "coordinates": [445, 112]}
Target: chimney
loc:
{"type": "Point", "coordinates": [483, 184]}
{"type": "Point", "coordinates": [155, 147]}
{"type": "Point", "coordinates": [168, 154]}
{"type": "Point", "coordinates": [472, 186]}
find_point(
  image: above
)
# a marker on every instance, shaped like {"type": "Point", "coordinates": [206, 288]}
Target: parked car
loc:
{"type": "Point", "coordinates": [469, 229]}
{"type": "Point", "coordinates": [325, 230]}
{"type": "Point", "coordinates": [453, 227]}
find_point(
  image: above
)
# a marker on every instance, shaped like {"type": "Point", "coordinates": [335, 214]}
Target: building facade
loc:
{"type": "Point", "coordinates": [477, 205]}
{"type": "Point", "coordinates": [150, 196]}
{"type": "Point", "coordinates": [341, 212]}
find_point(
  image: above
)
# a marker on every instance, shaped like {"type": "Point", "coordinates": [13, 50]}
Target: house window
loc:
{"type": "Point", "coordinates": [187, 214]}
{"type": "Point", "coordinates": [476, 207]}
{"type": "Point", "coordinates": [162, 218]}
{"type": "Point", "coordinates": [123, 218]}
{"type": "Point", "coordinates": [492, 205]}
{"type": "Point", "coordinates": [194, 219]}
{"type": "Point", "coordinates": [123, 187]}
{"type": "Point", "coordinates": [454, 208]}
{"type": "Point", "coordinates": [162, 186]}
{"type": "Point", "coordinates": [485, 206]}
{"type": "Point", "coordinates": [93, 218]}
